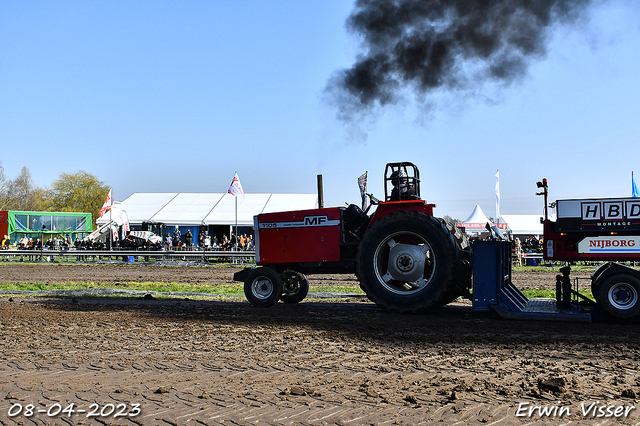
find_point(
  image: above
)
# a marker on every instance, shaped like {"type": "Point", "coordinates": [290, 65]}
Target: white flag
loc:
{"type": "Point", "coordinates": [362, 184]}
{"type": "Point", "coordinates": [236, 189]}
{"type": "Point", "coordinates": [107, 204]}
{"type": "Point", "coordinates": [498, 196]}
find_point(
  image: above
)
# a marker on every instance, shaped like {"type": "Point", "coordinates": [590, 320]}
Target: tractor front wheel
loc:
{"type": "Point", "coordinates": [407, 262]}
{"type": "Point", "coordinates": [263, 287]}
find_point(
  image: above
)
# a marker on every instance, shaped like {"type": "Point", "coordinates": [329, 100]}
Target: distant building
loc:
{"type": "Point", "coordinates": [35, 225]}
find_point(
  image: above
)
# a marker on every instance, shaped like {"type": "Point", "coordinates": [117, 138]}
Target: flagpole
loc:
{"type": "Point", "coordinates": [111, 222]}
{"type": "Point", "coordinates": [236, 189]}
{"type": "Point", "coordinates": [498, 196]}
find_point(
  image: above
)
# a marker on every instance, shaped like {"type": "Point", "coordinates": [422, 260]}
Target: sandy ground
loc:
{"type": "Point", "coordinates": [127, 361]}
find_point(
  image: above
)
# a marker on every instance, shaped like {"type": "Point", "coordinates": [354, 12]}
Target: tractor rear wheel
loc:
{"type": "Point", "coordinates": [463, 279]}
{"type": "Point", "coordinates": [407, 262]}
{"type": "Point", "coordinates": [619, 295]}
{"type": "Point", "coordinates": [263, 287]}
{"type": "Point", "coordinates": [295, 287]}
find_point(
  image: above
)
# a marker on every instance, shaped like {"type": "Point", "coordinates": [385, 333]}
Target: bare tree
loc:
{"type": "Point", "coordinates": [451, 220]}
{"type": "Point", "coordinates": [4, 192]}
{"type": "Point", "coordinates": [23, 195]}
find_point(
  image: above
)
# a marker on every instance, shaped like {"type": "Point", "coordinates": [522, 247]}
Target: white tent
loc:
{"type": "Point", "coordinates": [476, 222]}
{"type": "Point", "coordinates": [524, 224]}
{"type": "Point", "coordinates": [186, 209]}
{"type": "Point", "coordinates": [140, 207]}
{"type": "Point", "coordinates": [224, 212]}
{"type": "Point", "coordinates": [195, 209]}
{"type": "Point", "coordinates": [519, 224]}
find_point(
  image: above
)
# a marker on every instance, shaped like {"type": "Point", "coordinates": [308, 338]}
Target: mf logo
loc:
{"type": "Point", "coordinates": [315, 220]}
{"type": "Point", "coordinates": [306, 222]}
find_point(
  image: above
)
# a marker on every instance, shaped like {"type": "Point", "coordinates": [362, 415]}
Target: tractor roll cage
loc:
{"type": "Point", "coordinates": [401, 182]}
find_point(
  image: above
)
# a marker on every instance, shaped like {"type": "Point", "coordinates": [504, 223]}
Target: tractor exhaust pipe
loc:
{"type": "Point", "coordinates": [320, 193]}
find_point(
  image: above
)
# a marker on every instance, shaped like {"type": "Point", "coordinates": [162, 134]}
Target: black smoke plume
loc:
{"type": "Point", "coordinates": [428, 45]}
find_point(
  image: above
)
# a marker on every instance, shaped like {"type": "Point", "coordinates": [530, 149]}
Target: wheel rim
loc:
{"type": "Point", "coordinates": [403, 263]}
{"type": "Point", "coordinates": [623, 296]}
{"type": "Point", "coordinates": [262, 287]}
{"type": "Point", "coordinates": [291, 285]}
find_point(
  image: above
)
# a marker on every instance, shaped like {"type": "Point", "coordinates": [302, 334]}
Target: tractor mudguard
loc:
{"type": "Point", "coordinates": [242, 275]}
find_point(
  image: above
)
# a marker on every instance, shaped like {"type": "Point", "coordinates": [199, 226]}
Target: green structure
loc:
{"type": "Point", "coordinates": [48, 225]}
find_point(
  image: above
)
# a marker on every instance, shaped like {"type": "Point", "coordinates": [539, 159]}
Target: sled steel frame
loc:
{"type": "Point", "coordinates": [493, 289]}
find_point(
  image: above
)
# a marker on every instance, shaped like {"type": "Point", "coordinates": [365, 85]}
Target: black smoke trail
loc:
{"type": "Point", "coordinates": [425, 46]}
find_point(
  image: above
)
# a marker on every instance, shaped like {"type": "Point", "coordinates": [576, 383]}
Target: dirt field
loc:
{"type": "Point", "coordinates": [180, 361]}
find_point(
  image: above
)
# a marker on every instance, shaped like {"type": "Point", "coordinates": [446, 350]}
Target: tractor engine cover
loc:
{"type": "Point", "coordinates": [299, 236]}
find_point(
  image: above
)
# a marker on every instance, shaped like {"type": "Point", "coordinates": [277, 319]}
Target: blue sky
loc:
{"type": "Point", "coordinates": [159, 96]}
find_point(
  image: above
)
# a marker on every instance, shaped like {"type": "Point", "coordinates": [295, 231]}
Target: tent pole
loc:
{"type": "Point", "coordinates": [236, 245]}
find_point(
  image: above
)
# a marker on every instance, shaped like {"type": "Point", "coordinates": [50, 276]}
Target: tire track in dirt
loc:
{"type": "Point", "coordinates": [221, 362]}
{"type": "Point", "coordinates": [191, 397]}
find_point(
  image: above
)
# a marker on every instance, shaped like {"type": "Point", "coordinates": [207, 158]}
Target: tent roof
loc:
{"type": "Point", "coordinates": [253, 204]}
{"type": "Point", "coordinates": [290, 202]}
{"type": "Point", "coordinates": [477, 216]}
{"type": "Point", "coordinates": [140, 206]}
{"type": "Point", "coordinates": [187, 209]}
{"type": "Point", "coordinates": [520, 224]}
{"type": "Point", "coordinates": [524, 224]}
{"type": "Point", "coordinates": [191, 209]}
{"type": "Point", "coordinates": [225, 211]}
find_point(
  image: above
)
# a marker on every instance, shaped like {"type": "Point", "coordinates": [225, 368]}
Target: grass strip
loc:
{"type": "Point", "coordinates": [228, 289]}
{"type": "Point", "coordinates": [225, 290]}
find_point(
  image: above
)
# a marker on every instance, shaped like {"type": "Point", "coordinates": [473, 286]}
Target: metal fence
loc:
{"type": "Point", "coordinates": [207, 256]}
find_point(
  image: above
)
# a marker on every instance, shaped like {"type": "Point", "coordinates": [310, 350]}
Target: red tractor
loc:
{"type": "Point", "coordinates": [406, 259]}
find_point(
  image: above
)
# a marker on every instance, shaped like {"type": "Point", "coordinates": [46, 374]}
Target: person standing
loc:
{"type": "Point", "coordinates": [188, 239]}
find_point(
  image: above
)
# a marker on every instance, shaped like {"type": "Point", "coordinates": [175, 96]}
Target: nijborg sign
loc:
{"type": "Point", "coordinates": [610, 244]}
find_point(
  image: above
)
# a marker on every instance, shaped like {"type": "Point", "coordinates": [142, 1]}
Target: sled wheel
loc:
{"type": "Point", "coordinates": [295, 287]}
{"type": "Point", "coordinates": [407, 262]}
{"type": "Point", "coordinates": [620, 295]}
{"type": "Point", "coordinates": [263, 287]}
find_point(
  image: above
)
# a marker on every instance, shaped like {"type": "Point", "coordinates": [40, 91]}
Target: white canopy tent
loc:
{"type": "Point", "coordinates": [524, 224]}
{"type": "Point", "coordinates": [138, 207]}
{"type": "Point", "coordinates": [248, 206]}
{"type": "Point", "coordinates": [527, 224]}
{"type": "Point", "coordinates": [195, 209]}
{"type": "Point", "coordinates": [476, 222]}
{"type": "Point", "coordinates": [186, 209]}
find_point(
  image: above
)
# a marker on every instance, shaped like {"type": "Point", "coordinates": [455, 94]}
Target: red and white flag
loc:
{"type": "Point", "coordinates": [107, 204]}
{"type": "Point", "coordinates": [236, 189]}
{"type": "Point", "coordinates": [125, 225]}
